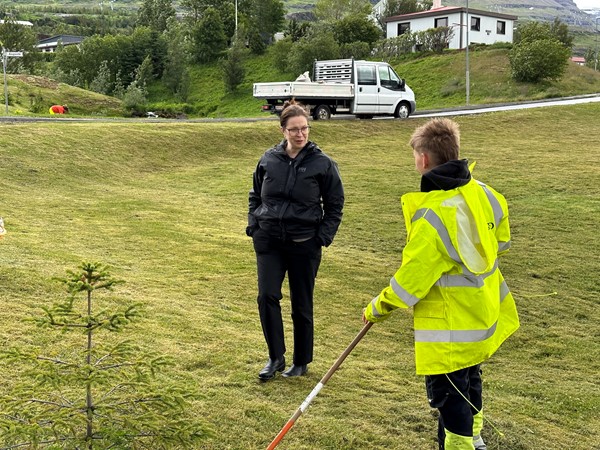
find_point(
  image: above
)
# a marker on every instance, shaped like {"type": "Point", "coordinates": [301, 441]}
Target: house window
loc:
{"type": "Point", "coordinates": [403, 28]}
{"type": "Point", "coordinates": [441, 22]}
{"type": "Point", "coordinates": [475, 23]}
{"type": "Point", "coordinates": [366, 75]}
{"type": "Point", "coordinates": [501, 27]}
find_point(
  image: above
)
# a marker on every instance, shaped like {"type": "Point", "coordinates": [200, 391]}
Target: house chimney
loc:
{"type": "Point", "coordinates": [436, 4]}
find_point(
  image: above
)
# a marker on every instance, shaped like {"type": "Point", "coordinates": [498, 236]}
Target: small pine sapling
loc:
{"type": "Point", "coordinates": [92, 393]}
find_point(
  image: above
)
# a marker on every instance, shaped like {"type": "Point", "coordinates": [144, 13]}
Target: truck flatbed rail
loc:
{"type": "Point", "coordinates": [301, 89]}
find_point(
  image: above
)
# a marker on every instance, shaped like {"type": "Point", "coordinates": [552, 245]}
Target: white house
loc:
{"type": "Point", "coordinates": [51, 44]}
{"type": "Point", "coordinates": [25, 23]}
{"type": "Point", "coordinates": [485, 27]}
{"type": "Point", "coordinates": [379, 8]}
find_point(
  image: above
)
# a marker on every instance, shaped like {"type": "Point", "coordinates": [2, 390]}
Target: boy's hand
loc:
{"type": "Point", "coordinates": [364, 318]}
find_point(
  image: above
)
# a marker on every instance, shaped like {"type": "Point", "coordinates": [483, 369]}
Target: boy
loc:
{"type": "Point", "coordinates": [463, 310]}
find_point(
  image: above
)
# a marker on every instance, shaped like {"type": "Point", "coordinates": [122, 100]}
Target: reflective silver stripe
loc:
{"type": "Point", "coordinates": [375, 312]}
{"type": "Point", "coordinates": [504, 291]}
{"type": "Point", "coordinates": [454, 335]}
{"type": "Point", "coordinates": [407, 298]}
{"type": "Point", "coordinates": [420, 213]}
{"type": "Point", "coordinates": [496, 207]}
{"type": "Point", "coordinates": [435, 221]}
{"type": "Point", "coordinates": [466, 279]}
{"type": "Point", "coordinates": [503, 246]}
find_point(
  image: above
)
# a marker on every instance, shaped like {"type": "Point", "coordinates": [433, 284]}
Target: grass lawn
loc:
{"type": "Point", "coordinates": [164, 205]}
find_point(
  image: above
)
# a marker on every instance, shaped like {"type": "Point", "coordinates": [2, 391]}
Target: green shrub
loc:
{"type": "Point", "coordinates": [233, 67]}
{"type": "Point", "coordinates": [37, 103]}
{"type": "Point", "coordinates": [134, 100]}
{"type": "Point", "coordinates": [280, 52]}
{"type": "Point", "coordinates": [356, 50]}
{"type": "Point", "coordinates": [320, 46]}
{"type": "Point", "coordinates": [395, 47]}
{"type": "Point", "coordinates": [434, 39]}
{"type": "Point", "coordinates": [537, 60]}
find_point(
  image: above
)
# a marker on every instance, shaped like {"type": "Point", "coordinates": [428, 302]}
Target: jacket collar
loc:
{"type": "Point", "coordinates": [446, 176]}
{"type": "Point", "coordinates": [310, 147]}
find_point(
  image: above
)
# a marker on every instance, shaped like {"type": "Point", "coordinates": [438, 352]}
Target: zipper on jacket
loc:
{"type": "Point", "coordinates": [288, 200]}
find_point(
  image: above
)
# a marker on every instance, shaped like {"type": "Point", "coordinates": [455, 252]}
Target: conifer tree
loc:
{"type": "Point", "coordinates": [101, 394]}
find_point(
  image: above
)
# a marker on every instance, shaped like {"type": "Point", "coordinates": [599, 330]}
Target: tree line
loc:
{"type": "Point", "coordinates": [163, 43]}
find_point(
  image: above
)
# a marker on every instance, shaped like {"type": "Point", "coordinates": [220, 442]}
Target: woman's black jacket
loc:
{"type": "Point", "coordinates": [299, 198]}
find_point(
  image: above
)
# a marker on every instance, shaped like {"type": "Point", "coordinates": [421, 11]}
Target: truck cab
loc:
{"type": "Point", "coordinates": [380, 91]}
{"type": "Point", "coordinates": [344, 86]}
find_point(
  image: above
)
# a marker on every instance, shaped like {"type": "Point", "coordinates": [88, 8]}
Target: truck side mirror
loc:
{"type": "Point", "coordinates": [402, 84]}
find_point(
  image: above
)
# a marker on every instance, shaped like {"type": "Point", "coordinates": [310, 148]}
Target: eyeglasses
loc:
{"type": "Point", "coordinates": [303, 130]}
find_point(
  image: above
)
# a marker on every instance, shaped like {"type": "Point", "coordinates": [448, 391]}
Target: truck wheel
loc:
{"type": "Point", "coordinates": [322, 112]}
{"type": "Point", "coordinates": [402, 111]}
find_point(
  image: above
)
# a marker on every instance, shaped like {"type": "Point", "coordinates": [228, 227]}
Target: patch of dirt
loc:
{"type": "Point", "coordinates": [37, 81]}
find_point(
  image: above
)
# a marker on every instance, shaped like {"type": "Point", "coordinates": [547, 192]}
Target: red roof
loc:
{"type": "Point", "coordinates": [429, 11]}
{"type": "Point", "coordinates": [447, 9]}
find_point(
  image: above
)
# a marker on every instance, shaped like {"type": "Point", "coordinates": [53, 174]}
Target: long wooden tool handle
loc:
{"type": "Point", "coordinates": [290, 423]}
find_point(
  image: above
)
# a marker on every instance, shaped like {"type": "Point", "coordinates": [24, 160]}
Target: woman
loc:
{"type": "Point", "coordinates": [295, 208]}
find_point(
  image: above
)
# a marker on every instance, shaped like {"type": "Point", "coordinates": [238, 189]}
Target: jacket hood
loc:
{"type": "Point", "coordinates": [469, 218]}
{"type": "Point", "coordinates": [446, 176]}
{"type": "Point", "coordinates": [465, 212]}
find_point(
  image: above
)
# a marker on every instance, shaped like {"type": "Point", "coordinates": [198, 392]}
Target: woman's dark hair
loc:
{"type": "Point", "coordinates": [292, 109]}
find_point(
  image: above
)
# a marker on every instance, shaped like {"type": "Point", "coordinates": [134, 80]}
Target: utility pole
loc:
{"type": "Point", "coordinates": [467, 81]}
{"type": "Point", "coordinates": [596, 62]}
{"type": "Point", "coordinates": [4, 58]}
{"type": "Point", "coordinates": [236, 17]}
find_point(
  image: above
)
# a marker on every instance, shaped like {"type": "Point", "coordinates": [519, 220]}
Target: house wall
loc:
{"type": "Point", "coordinates": [457, 20]}
{"type": "Point", "coordinates": [379, 8]}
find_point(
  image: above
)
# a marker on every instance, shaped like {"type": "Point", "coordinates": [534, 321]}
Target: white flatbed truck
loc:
{"type": "Point", "coordinates": [343, 86]}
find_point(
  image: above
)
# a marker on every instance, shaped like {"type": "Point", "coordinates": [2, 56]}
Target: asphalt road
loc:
{"type": "Point", "coordinates": [459, 111]}
{"type": "Point", "coordinates": [593, 98]}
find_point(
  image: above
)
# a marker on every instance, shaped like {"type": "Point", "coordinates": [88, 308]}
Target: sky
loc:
{"type": "Point", "coordinates": [587, 4]}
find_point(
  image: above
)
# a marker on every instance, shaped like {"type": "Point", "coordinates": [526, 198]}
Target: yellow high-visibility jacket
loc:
{"type": "Point", "coordinates": [463, 309]}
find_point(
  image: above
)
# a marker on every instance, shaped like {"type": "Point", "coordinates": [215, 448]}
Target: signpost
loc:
{"type": "Point", "coordinates": [5, 55]}
{"type": "Point", "coordinates": [467, 80]}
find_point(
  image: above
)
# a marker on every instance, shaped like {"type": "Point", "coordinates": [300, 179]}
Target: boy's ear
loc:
{"type": "Point", "coordinates": [426, 160]}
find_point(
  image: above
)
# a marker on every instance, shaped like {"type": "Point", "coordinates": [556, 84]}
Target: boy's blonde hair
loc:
{"type": "Point", "coordinates": [439, 138]}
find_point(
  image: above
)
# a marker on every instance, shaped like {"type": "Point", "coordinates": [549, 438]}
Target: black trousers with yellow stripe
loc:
{"type": "Point", "coordinates": [449, 394]}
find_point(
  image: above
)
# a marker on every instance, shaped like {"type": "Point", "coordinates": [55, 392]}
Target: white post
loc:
{"type": "Point", "coordinates": [596, 62]}
{"type": "Point", "coordinates": [4, 57]}
{"type": "Point", "coordinates": [467, 81]}
{"type": "Point", "coordinates": [236, 17]}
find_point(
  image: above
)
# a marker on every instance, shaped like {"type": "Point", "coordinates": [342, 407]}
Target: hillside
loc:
{"type": "Point", "coordinates": [30, 94]}
{"type": "Point", "coordinates": [542, 10]}
{"type": "Point", "coordinates": [438, 82]}
{"type": "Point", "coordinates": [566, 10]}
